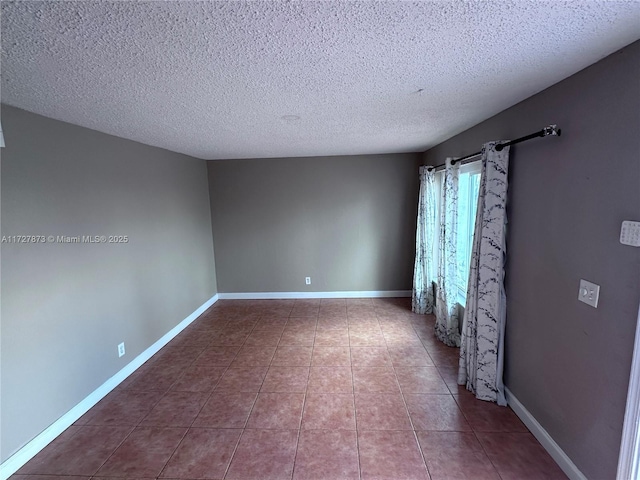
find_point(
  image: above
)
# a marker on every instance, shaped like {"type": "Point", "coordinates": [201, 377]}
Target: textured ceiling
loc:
{"type": "Point", "coordinates": [282, 78]}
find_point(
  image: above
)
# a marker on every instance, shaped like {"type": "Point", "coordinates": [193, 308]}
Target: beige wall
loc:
{"type": "Point", "coordinates": [347, 222]}
{"type": "Point", "coordinates": [65, 307]}
{"type": "Point", "coordinates": [569, 363]}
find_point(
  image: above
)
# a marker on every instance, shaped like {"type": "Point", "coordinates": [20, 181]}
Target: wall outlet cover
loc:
{"type": "Point", "coordinates": [121, 350]}
{"type": "Point", "coordinates": [589, 293]}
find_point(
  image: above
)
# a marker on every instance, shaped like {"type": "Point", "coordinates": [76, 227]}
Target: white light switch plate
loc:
{"type": "Point", "coordinates": [589, 293]}
{"type": "Point", "coordinates": [630, 233]}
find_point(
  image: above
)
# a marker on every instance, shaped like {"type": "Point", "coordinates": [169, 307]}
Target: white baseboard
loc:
{"type": "Point", "coordinates": [26, 453]}
{"type": "Point", "coordinates": [286, 295]}
{"type": "Point", "coordinates": [549, 444]}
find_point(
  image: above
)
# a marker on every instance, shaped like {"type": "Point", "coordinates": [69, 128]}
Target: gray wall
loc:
{"type": "Point", "coordinates": [347, 222]}
{"type": "Point", "coordinates": [569, 363]}
{"type": "Point", "coordinates": [65, 307]}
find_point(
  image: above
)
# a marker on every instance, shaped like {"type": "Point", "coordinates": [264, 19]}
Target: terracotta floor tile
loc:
{"type": "Point", "coordinates": [226, 410]}
{"type": "Point", "coordinates": [152, 378]}
{"type": "Point", "coordinates": [264, 455]}
{"type": "Point", "coordinates": [81, 450]}
{"type": "Point", "coordinates": [263, 338]}
{"type": "Point", "coordinates": [175, 409]}
{"type": "Point", "coordinates": [286, 379]}
{"type": "Point", "coordinates": [301, 323]}
{"type": "Point", "coordinates": [366, 340]}
{"type": "Point", "coordinates": [324, 454]}
{"type": "Point", "coordinates": [199, 378]}
{"type": "Point", "coordinates": [402, 340]}
{"type": "Point", "coordinates": [334, 338]}
{"type": "Point", "coordinates": [488, 416]}
{"type": "Point", "coordinates": [193, 338]}
{"type": "Point", "coordinates": [375, 380]}
{"type": "Point", "coordinates": [519, 456]}
{"type": "Point", "coordinates": [445, 356]}
{"type": "Point", "coordinates": [361, 301]}
{"type": "Point", "coordinates": [332, 310]}
{"type": "Point", "coordinates": [305, 311]}
{"type": "Point", "coordinates": [435, 412]}
{"type": "Point", "coordinates": [378, 411]}
{"type": "Point", "coordinates": [409, 356]}
{"type": "Point", "coordinates": [331, 356]}
{"type": "Point", "coordinates": [291, 356]}
{"type": "Point", "coordinates": [176, 356]}
{"type": "Point", "coordinates": [121, 407]}
{"type": "Point", "coordinates": [370, 357]}
{"type": "Point", "coordinates": [217, 356]}
{"type": "Point", "coordinates": [271, 323]}
{"type": "Point", "coordinates": [390, 455]}
{"type": "Point", "coordinates": [420, 380]}
{"type": "Point", "coordinates": [455, 455]}
{"type": "Point", "coordinates": [250, 382]}
{"type": "Point", "coordinates": [228, 339]}
{"type": "Point", "coordinates": [332, 322]}
{"type": "Point", "coordinates": [280, 411]}
{"type": "Point", "coordinates": [203, 454]}
{"type": "Point", "coordinates": [308, 302]}
{"type": "Point", "coordinates": [329, 412]}
{"type": "Point", "coordinates": [250, 356]}
{"type": "Point", "coordinates": [296, 337]}
{"type": "Point", "coordinates": [363, 321]}
{"type": "Point", "coordinates": [450, 377]}
{"type": "Point", "coordinates": [48, 477]}
{"type": "Point", "coordinates": [362, 312]}
{"type": "Point", "coordinates": [334, 302]}
{"type": "Point", "coordinates": [242, 323]}
{"type": "Point", "coordinates": [144, 453]}
{"type": "Point", "coordinates": [278, 311]}
{"type": "Point", "coordinates": [248, 379]}
{"type": "Point", "coordinates": [330, 380]}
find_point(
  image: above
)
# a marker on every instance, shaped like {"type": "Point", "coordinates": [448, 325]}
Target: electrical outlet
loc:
{"type": "Point", "coordinates": [121, 349]}
{"type": "Point", "coordinates": [589, 293]}
{"type": "Point", "coordinates": [307, 280]}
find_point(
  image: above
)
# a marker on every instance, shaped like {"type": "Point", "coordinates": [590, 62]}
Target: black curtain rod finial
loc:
{"type": "Point", "coordinates": [552, 130]}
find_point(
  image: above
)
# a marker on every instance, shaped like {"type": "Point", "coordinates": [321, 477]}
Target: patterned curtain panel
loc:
{"type": "Point", "coordinates": [482, 344]}
{"type": "Point", "coordinates": [447, 327]}
{"type": "Point", "coordinates": [424, 268]}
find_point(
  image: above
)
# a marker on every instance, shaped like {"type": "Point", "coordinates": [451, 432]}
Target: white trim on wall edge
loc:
{"type": "Point", "coordinates": [286, 295]}
{"type": "Point", "coordinates": [629, 460]}
{"type": "Point", "coordinates": [27, 452]}
{"type": "Point", "coordinates": [548, 443]}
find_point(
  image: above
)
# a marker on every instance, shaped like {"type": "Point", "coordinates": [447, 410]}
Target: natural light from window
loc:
{"type": "Point", "coordinates": [468, 188]}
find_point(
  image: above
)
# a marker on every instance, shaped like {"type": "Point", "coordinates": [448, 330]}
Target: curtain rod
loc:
{"type": "Point", "coordinates": [548, 130]}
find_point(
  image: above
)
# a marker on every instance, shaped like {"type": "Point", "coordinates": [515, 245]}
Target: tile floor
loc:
{"type": "Point", "coordinates": [334, 389]}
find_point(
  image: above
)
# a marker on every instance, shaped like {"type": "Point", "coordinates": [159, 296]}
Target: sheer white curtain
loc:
{"type": "Point", "coordinates": [447, 327]}
{"type": "Point", "coordinates": [482, 342]}
{"type": "Point", "coordinates": [424, 267]}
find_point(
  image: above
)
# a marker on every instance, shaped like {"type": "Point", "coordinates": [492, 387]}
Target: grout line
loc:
{"type": "Point", "coordinates": [203, 403]}
{"type": "Point", "coordinates": [413, 427]}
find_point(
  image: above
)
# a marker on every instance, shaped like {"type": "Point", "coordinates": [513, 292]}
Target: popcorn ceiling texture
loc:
{"type": "Point", "coordinates": [215, 79]}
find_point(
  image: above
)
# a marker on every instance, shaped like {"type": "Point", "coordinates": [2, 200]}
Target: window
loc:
{"type": "Point", "coordinates": [468, 188]}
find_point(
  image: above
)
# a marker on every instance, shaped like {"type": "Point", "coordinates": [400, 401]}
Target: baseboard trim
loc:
{"type": "Point", "coordinates": [27, 452]}
{"type": "Point", "coordinates": [287, 295]}
{"type": "Point", "coordinates": [548, 443]}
